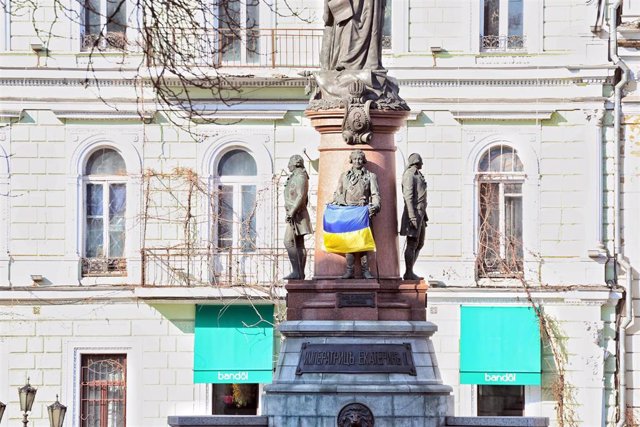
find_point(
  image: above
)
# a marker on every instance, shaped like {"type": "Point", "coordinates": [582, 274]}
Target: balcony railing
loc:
{"type": "Point", "coordinates": [102, 266]}
{"type": "Point", "coordinates": [172, 267]}
{"type": "Point", "coordinates": [263, 47]}
{"type": "Point", "coordinates": [502, 43]}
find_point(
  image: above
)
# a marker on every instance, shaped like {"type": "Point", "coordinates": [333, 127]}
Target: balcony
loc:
{"type": "Point", "coordinates": [192, 267]}
{"type": "Point", "coordinates": [502, 43]}
{"type": "Point", "coordinates": [264, 47]}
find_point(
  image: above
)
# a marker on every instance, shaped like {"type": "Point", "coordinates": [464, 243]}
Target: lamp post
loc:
{"type": "Point", "coordinates": [2, 408]}
{"type": "Point", "coordinates": [56, 413]}
{"type": "Point", "coordinates": [27, 395]}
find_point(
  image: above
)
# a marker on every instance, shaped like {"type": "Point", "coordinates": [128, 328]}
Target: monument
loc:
{"type": "Point", "coordinates": [357, 348]}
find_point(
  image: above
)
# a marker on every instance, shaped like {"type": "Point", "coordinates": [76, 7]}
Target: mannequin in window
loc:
{"type": "Point", "coordinates": [414, 216]}
{"type": "Point", "coordinates": [296, 198]}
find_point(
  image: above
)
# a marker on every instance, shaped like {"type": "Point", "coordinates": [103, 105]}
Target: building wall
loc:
{"type": "Point", "coordinates": [550, 102]}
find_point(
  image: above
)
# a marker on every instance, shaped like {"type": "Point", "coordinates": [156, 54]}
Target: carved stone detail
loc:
{"type": "Point", "coordinates": [355, 415]}
{"type": "Point", "coordinates": [356, 126]}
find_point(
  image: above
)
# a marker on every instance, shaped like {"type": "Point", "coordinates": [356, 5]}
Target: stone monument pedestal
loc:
{"type": "Point", "coordinates": [357, 352]}
{"type": "Point", "coordinates": [356, 299]}
{"type": "Point", "coordinates": [387, 366]}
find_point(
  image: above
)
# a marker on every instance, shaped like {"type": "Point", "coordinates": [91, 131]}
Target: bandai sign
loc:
{"type": "Point", "coordinates": [356, 359]}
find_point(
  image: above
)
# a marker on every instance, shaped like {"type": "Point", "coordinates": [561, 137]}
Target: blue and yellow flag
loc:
{"type": "Point", "coordinates": [347, 230]}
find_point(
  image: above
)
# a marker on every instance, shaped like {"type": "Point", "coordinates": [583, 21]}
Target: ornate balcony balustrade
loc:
{"type": "Point", "coordinates": [502, 43]}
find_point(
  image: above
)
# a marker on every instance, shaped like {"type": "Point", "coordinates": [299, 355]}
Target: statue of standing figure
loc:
{"type": "Point", "coordinates": [296, 198]}
{"type": "Point", "coordinates": [353, 35]}
{"type": "Point", "coordinates": [358, 187]}
{"type": "Point", "coordinates": [414, 216]}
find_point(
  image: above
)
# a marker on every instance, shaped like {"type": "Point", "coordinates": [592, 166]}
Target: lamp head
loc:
{"type": "Point", "coordinates": [27, 395]}
{"type": "Point", "coordinates": [57, 412]}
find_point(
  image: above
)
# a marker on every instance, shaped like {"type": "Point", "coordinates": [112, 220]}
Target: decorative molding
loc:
{"type": "Point", "coordinates": [104, 115]}
{"type": "Point", "coordinates": [555, 295]}
{"type": "Point", "coordinates": [236, 115]}
{"type": "Point", "coordinates": [568, 81]}
{"type": "Point", "coordinates": [516, 112]}
{"type": "Point", "coordinates": [597, 115]}
{"type": "Point", "coordinates": [298, 82]}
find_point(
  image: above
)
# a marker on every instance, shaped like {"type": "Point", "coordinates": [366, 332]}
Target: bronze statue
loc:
{"type": "Point", "coordinates": [414, 216]}
{"type": "Point", "coordinates": [351, 62]}
{"type": "Point", "coordinates": [353, 35]}
{"type": "Point", "coordinates": [358, 187]}
{"type": "Point", "coordinates": [296, 198]}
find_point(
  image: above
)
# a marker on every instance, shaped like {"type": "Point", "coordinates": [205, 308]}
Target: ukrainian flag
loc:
{"type": "Point", "coordinates": [347, 230]}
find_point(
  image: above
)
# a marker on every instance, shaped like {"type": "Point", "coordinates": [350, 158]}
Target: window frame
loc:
{"type": "Point", "coordinates": [525, 139]}
{"type": "Point", "coordinates": [216, 146]}
{"type": "Point", "coordinates": [74, 348]}
{"type": "Point", "coordinates": [501, 178]}
{"type": "Point", "coordinates": [266, 19]}
{"type": "Point", "coordinates": [532, 27]}
{"type": "Point", "coordinates": [105, 181]}
{"type": "Point", "coordinates": [82, 384]}
{"type": "Point", "coordinates": [399, 28]}
{"type": "Point", "coordinates": [132, 17]}
{"type": "Point", "coordinates": [84, 142]}
{"type": "Point", "coordinates": [5, 34]}
{"type": "Point", "coordinates": [5, 212]}
{"type": "Point", "coordinates": [236, 182]}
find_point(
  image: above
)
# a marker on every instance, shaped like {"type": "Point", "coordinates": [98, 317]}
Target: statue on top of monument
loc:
{"type": "Point", "coordinates": [351, 59]}
{"type": "Point", "coordinates": [414, 216]}
{"type": "Point", "coordinates": [296, 198]}
{"type": "Point", "coordinates": [353, 35]}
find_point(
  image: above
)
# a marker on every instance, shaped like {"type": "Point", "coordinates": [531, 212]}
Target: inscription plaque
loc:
{"type": "Point", "coordinates": [363, 299]}
{"type": "Point", "coordinates": [356, 359]}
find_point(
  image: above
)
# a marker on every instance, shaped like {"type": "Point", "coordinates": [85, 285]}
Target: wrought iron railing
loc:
{"type": "Point", "coordinates": [256, 47]}
{"type": "Point", "coordinates": [172, 267]}
{"type": "Point", "coordinates": [102, 266]}
{"type": "Point", "coordinates": [111, 41]}
{"type": "Point", "coordinates": [502, 43]}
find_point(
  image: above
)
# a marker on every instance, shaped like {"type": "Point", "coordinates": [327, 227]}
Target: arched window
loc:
{"type": "Point", "coordinates": [236, 220]}
{"type": "Point", "coordinates": [500, 177]}
{"type": "Point", "coordinates": [105, 195]}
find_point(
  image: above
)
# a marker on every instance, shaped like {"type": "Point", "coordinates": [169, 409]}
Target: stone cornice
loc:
{"type": "Point", "coordinates": [586, 295]}
{"type": "Point", "coordinates": [278, 82]}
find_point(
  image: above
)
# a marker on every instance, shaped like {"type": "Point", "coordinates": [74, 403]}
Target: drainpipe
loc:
{"type": "Point", "coordinates": [619, 254]}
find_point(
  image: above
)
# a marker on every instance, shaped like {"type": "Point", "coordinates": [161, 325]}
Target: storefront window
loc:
{"type": "Point", "coordinates": [235, 399]}
{"type": "Point", "coordinates": [501, 400]}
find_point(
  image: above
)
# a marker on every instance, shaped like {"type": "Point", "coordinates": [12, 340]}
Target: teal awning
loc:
{"type": "Point", "coordinates": [499, 345]}
{"type": "Point", "coordinates": [233, 344]}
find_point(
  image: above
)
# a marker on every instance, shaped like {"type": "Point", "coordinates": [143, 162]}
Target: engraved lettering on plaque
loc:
{"type": "Point", "coordinates": [363, 299]}
{"type": "Point", "coordinates": [356, 359]}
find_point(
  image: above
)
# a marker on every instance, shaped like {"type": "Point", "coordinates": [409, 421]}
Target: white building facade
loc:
{"type": "Point", "coordinates": [128, 229]}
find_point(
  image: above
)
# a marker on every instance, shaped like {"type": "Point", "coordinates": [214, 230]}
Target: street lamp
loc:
{"type": "Point", "coordinates": [56, 413]}
{"type": "Point", "coordinates": [2, 408]}
{"type": "Point", "coordinates": [27, 396]}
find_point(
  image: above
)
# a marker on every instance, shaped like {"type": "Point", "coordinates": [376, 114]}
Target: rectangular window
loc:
{"type": "Point", "coordinates": [103, 390]}
{"type": "Point", "coordinates": [237, 217]}
{"type": "Point", "coordinates": [500, 252]}
{"type": "Point", "coordinates": [248, 221]}
{"type": "Point", "coordinates": [501, 400]}
{"type": "Point", "coordinates": [105, 229]}
{"type": "Point", "coordinates": [104, 25]}
{"type": "Point", "coordinates": [387, 26]}
{"type": "Point", "coordinates": [239, 31]}
{"type": "Point", "coordinates": [235, 399]}
{"type": "Point", "coordinates": [5, 29]}
{"type": "Point", "coordinates": [502, 25]}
